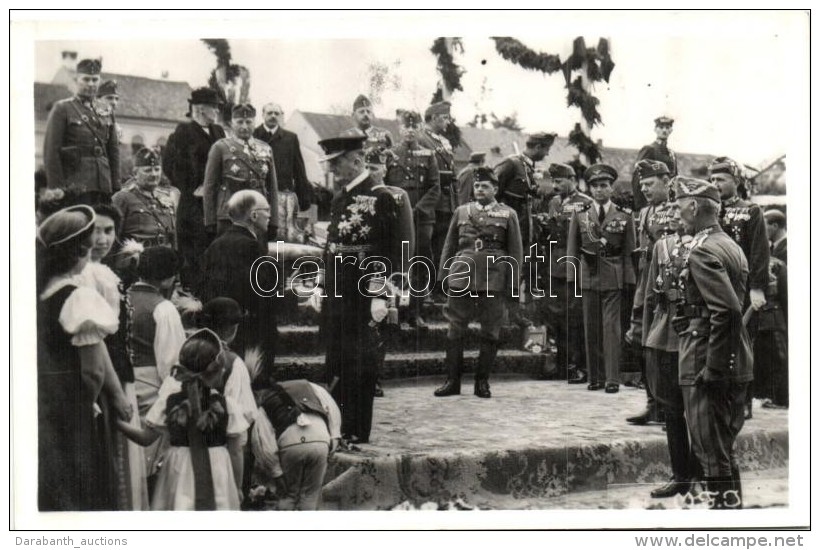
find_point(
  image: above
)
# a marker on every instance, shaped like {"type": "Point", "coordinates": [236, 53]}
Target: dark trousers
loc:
{"type": "Point", "coordinates": [771, 366]}
{"type": "Point", "coordinates": [439, 235]}
{"type": "Point", "coordinates": [421, 283]}
{"type": "Point", "coordinates": [714, 413]}
{"type": "Point", "coordinates": [191, 247]}
{"type": "Point", "coordinates": [259, 331]}
{"type": "Point", "coordinates": [602, 329]}
{"type": "Point", "coordinates": [460, 311]}
{"type": "Point", "coordinates": [564, 315]}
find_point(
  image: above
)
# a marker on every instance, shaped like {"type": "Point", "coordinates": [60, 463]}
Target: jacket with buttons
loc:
{"type": "Point", "coordinates": [234, 165]}
{"type": "Point", "coordinates": [553, 225]}
{"type": "Point", "coordinates": [713, 283]}
{"type": "Point", "coordinates": [743, 221]}
{"type": "Point", "coordinates": [145, 218]}
{"type": "Point", "coordinates": [415, 170]}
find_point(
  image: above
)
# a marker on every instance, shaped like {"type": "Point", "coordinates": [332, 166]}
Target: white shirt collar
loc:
{"type": "Point", "coordinates": [605, 206]}
{"type": "Point", "coordinates": [359, 179]}
{"type": "Point", "coordinates": [271, 130]}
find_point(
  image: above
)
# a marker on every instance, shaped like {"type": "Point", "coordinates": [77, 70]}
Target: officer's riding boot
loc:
{"type": "Point", "coordinates": [486, 360]}
{"type": "Point", "coordinates": [734, 499]}
{"type": "Point", "coordinates": [455, 365]}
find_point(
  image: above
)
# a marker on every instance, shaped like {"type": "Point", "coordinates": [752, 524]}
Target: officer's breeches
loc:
{"type": "Point", "coordinates": [487, 310]}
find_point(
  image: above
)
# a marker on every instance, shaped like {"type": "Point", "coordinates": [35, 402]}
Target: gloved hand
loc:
{"type": "Point", "coordinates": [757, 298]}
{"type": "Point", "coordinates": [378, 309]}
{"type": "Point", "coordinates": [315, 298]}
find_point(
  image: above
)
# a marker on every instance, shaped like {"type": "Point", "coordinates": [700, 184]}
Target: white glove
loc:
{"type": "Point", "coordinates": [315, 299]}
{"type": "Point", "coordinates": [757, 298]}
{"type": "Point", "coordinates": [378, 309]}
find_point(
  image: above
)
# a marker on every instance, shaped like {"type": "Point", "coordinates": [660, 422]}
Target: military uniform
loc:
{"type": "Point", "coordinates": [363, 224]}
{"type": "Point", "coordinates": [743, 221]}
{"type": "Point", "coordinates": [477, 286]}
{"type": "Point", "coordinates": [516, 187]}
{"type": "Point", "coordinates": [563, 310]}
{"type": "Point", "coordinates": [657, 150]}
{"type": "Point", "coordinates": [81, 151]}
{"type": "Point", "coordinates": [377, 137]}
{"type": "Point", "coordinates": [234, 165]}
{"type": "Point", "coordinates": [771, 342]}
{"type": "Point", "coordinates": [146, 218]}
{"type": "Point", "coordinates": [604, 244]}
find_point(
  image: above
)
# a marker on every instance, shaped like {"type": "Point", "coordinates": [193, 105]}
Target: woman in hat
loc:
{"type": "Point", "coordinates": [197, 473]}
{"type": "Point", "coordinates": [74, 368]}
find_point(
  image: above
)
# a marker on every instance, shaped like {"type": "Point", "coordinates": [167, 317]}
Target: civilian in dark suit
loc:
{"type": "Point", "coordinates": [776, 229]}
{"type": "Point", "coordinates": [291, 176]}
{"type": "Point", "coordinates": [227, 264]}
{"type": "Point", "coordinates": [184, 162]}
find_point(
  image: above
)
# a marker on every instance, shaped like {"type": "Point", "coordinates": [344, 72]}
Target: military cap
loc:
{"type": "Point", "coordinates": [557, 170]}
{"type": "Point", "coordinates": [147, 157]}
{"type": "Point", "coordinates": [440, 108]}
{"type": "Point", "coordinates": [775, 215]}
{"type": "Point", "coordinates": [204, 96]}
{"type": "Point", "coordinates": [220, 312]}
{"type": "Point", "coordinates": [361, 101]}
{"type": "Point", "coordinates": [336, 146]}
{"type": "Point", "coordinates": [664, 121]}
{"type": "Point", "coordinates": [649, 168]}
{"type": "Point", "coordinates": [66, 225]}
{"type": "Point", "coordinates": [375, 155]}
{"type": "Point", "coordinates": [725, 165]}
{"type": "Point", "coordinates": [686, 187]}
{"type": "Point", "coordinates": [243, 110]}
{"type": "Point", "coordinates": [477, 157]}
{"type": "Point", "coordinates": [410, 118]}
{"type": "Point", "coordinates": [541, 138]}
{"type": "Point", "coordinates": [157, 263]}
{"type": "Point", "coordinates": [109, 87]}
{"type": "Point", "coordinates": [600, 172]}
{"type": "Point", "coordinates": [89, 66]}
{"type": "Point", "coordinates": [485, 174]}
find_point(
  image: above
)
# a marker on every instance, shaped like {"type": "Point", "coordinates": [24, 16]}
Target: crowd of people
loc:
{"type": "Point", "coordinates": [148, 399]}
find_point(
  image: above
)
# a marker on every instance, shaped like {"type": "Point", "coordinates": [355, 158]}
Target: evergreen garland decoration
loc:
{"type": "Point", "coordinates": [516, 52]}
{"type": "Point", "coordinates": [578, 97]}
{"type": "Point", "coordinates": [450, 72]}
{"type": "Point", "coordinates": [584, 144]}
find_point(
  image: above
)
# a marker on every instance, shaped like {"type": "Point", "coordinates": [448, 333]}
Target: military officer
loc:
{"type": "Point", "coordinates": [106, 105]}
{"type": "Point", "coordinates": [235, 163]}
{"type": "Point", "coordinates": [603, 236]}
{"type": "Point", "coordinates": [563, 311]}
{"type": "Point", "coordinates": [81, 149]}
{"type": "Point", "coordinates": [364, 117]}
{"type": "Point", "coordinates": [146, 216]}
{"type": "Point", "coordinates": [363, 233]}
{"type": "Point", "coordinates": [415, 170]}
{"type": "Point", "coordinates": [657, 150]}
{"type": "Point", "coordinates": [184, 163]}
{"type": "Point", "coordinates": [655, 220]}
{"type": "Point", "coordinates": [480, 265]}
{"type": "Point", "coordinates": [464, 179]}
{"type": "Point", "coordinates": [715, 360]}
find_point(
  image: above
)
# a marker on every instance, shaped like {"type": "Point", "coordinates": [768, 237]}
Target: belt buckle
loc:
{"type": "Point", "coordinates": [98, 151]}
{"type": "Point", "coordinates": [479, 244]}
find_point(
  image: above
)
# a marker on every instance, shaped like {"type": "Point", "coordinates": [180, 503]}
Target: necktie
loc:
{"type": "Point", "coordinates": [601, 214]}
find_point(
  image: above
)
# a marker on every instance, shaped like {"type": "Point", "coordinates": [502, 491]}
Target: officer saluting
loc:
{"type": "Point", "coordinates": [81, 149]}
{"type": "Point", "coordinates": [715, 351]}
{"type": "Point", "coordinates": [235, 163]}
{"type": "Point", "coordinates": [480, 264]}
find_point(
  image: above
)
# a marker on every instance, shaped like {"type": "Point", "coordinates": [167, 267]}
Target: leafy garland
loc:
{"type": "Point", "coordinates": [222, 50]}
{"type": "Point", "coordinates": [599, 66]}
{"type": "Point", "coordinates": [450, 78]}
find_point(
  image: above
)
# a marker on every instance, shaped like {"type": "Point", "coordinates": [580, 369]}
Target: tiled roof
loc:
{"type": "Point", "coordinates": [45, 95]}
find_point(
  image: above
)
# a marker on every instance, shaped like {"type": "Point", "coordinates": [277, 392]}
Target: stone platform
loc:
{"type": "Point", "coordinates": [530, 446]}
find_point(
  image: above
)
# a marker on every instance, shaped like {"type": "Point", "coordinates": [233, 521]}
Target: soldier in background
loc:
{"type": "Point", "coordinates": [776, 230]}
{"type": "Point", "coordinates": [184, 163]}
{"type": "Point", "coordinates": [480, 264]}
{"type": "Point", "coordinates": [363, 117]}
{"type": "Point", "coordinates": [715, 363]}
{"type": "Point", "coordinates": [81, 149]}
{"type": "Point", "coordinates": [414, 169]}
{"type": "Point", "coordinates": [107, 101]}
{"type": "Point", "coordinates": [236, 163]}
{"type": "Point", "coordinates": [657, 150]}
{"type": "Point", "coordinates": [603, 237]}
{"type": "Point", "coordinates": [563, 312]}
{"type": "Point", "coordinates": [464, 180]}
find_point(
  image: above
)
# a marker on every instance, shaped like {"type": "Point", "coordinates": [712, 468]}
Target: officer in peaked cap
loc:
{"type": "Point", "coordinates": [478, 286]}
{"type": "Point", "coordinates": [146, 218]}
{"type": "Point", "coordinates": [464, 179]}
{"type": "Point", "coordinates": [562, 308]}
{"type": "Point", "coordinates": [339, 145]}
{"type": "Point", "coordinates": [602, 235]}
{"type": "Point", "coordinates": [364, 118]}
{"type": "Point", "coordinates": [238, 162]}
{"type": "Point", "coordinates": [415, 170]}
{"type": "Point", "coordinates": [715, 358]}
{"type": "Point", "coordinates": [657, 150]}
{"type": "Point", "coordinates": [81, 147]}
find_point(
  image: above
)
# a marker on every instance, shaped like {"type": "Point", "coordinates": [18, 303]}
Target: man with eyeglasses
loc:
{"type": "Point", "coordinates": [657, 150]}
{"type": "Point", "coordinates": [295, 193]}
{"type": "Point", "coordinates": [146, 218]}
{"type": "Point", "coordinates": [81, 149]}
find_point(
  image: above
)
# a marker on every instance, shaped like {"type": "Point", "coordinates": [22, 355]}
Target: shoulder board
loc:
{"type": "Point", "coordinates": [623, 209]}
{"type": "Point", "coordinates": [585, 207]}
{"type": "Point", "coordinates": [422, 152]}
{"type": "Point", "coordinates": [585, 196]}
{"type": "Point", "coordinates": [499, 213]}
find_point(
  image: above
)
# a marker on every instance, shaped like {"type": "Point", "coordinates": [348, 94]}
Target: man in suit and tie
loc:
{"type": "Point", "coordinates": [602, 235]}
{"type": "Point", "coordinates": [184, 163]}
{"type": "Point", "coordinates": [776, 229]}
{"type": "Point", "coordinates": [295, 191]}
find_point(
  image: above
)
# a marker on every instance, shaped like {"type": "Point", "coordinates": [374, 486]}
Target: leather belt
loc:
{"type": "Point", "coordinates": [93, 151]}
{"type": "Point", "coordinates": [701, 312]}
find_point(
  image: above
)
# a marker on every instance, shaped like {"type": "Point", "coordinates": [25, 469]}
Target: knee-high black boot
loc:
{"type": "Point", "coordinates": [734, 500]}
{"type": "Point", "coordinates": [486, 360]}
{"type": "Point", "coordinates": [455, 365]}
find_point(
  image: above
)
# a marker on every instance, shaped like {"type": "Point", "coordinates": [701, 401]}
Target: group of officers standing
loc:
{"type": "Point", "coordinates": [683, 272]}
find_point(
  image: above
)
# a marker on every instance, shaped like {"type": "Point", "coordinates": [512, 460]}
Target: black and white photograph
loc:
{"type": "Point", "coordinates": [443, 269]}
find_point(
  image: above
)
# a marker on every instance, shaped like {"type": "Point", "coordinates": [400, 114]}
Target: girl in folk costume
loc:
{"type": "Point", "coordinates": [197, 473]}
{"type": "Point", "coordinates": [74, 369]}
